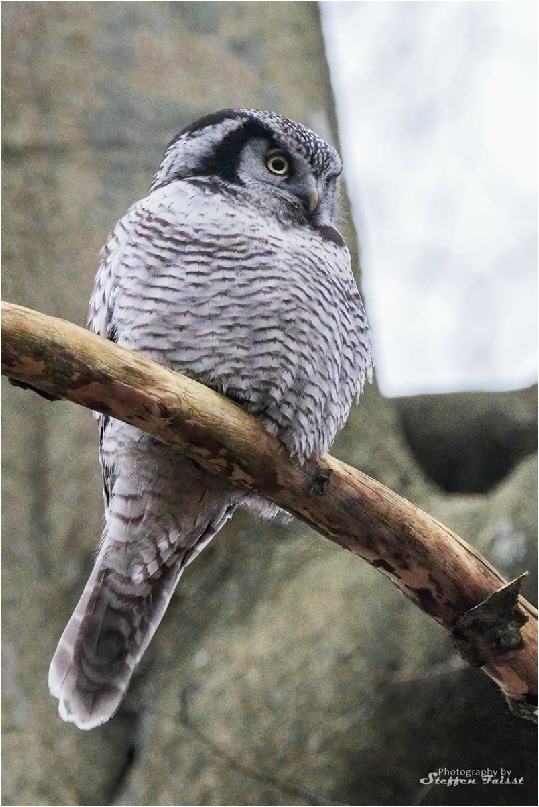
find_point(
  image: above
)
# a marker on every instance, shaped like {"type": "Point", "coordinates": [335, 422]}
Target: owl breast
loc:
{"type": "Point", "coordinates": [262, 310]}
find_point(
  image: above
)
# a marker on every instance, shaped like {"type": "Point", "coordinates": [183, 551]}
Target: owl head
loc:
{"type": "Point", "coordinates": [266, 155]}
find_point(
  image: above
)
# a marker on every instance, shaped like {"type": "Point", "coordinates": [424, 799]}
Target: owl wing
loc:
{"type": "Point", "coordinates": [101, 305]}
{"type": "Point", "coordinates": [331, 338]}
{"type": "Point", "coordinates": [357, 365]}
{"type": "Point", "coordinates": [100, 316]}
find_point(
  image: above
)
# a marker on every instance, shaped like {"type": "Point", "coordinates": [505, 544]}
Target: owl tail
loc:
{"type": "Point", "coordinates": [112, 625]}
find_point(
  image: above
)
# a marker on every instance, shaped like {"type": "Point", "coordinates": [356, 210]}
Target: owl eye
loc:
{"type": "Point", "coordinates": [278, 163]}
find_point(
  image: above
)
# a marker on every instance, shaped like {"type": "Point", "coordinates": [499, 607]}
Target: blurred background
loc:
{"type": "Point", "coordinates": [285, 671]}
{"type": "Point", "coordinates": [437, 107]}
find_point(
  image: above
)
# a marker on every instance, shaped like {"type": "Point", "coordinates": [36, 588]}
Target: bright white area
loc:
{"type": "Point", "coordinates": [437, 105]}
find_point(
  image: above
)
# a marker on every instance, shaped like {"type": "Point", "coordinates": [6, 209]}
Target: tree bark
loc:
{"type": "Point", "coordinates": [491, 625]}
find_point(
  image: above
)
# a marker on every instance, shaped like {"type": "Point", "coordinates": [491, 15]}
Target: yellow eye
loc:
{"type": "Point", "coordinates": [278, 163]}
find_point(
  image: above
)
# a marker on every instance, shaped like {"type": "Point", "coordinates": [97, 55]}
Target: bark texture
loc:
{"type": "Point", "coordinates": [430, 565]}
{"type": "Point", "coordinates": [277, 678]}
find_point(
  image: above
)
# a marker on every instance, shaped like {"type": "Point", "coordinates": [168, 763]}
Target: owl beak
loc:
{"type": "Point", "coordinates": [313, 199]}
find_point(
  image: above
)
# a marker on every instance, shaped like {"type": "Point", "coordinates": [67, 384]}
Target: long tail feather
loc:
{"type": "Point", "coordinates": [111, 627]}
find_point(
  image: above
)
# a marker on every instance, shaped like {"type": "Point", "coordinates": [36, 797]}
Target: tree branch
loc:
{"type": "Point", "coordinates": [492, 626]}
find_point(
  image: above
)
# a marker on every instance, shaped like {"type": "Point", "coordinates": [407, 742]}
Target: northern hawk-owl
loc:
{"type": "Point", "coordinates": [230, 271]}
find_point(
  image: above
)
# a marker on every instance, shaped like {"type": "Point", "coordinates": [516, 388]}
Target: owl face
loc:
{"type": "Point", "coordinates": [272, 159]}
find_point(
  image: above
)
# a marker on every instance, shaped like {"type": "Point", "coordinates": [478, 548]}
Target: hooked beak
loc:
{"type": "Point", "coordinates": [313, 198]}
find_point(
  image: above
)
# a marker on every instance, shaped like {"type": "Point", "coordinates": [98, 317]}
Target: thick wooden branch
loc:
{"type": "Point", "coordinates": [491, 624]}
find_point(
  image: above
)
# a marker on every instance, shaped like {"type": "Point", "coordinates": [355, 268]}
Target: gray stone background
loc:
{"type": "Point", "coordinates": [286, 671]}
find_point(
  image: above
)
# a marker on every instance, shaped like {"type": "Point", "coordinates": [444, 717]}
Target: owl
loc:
{"type": "Point", "coordinates": [231, 271]}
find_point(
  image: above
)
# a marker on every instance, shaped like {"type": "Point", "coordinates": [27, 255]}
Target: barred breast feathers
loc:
{"type": "Point", "coordinates": [269, 316]}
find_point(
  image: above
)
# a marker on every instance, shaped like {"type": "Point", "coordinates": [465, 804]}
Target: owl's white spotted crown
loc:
{"type": "Point", "coordinates": [212, 144]}
{"type": "Point", "coordinates": [317, 151]}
